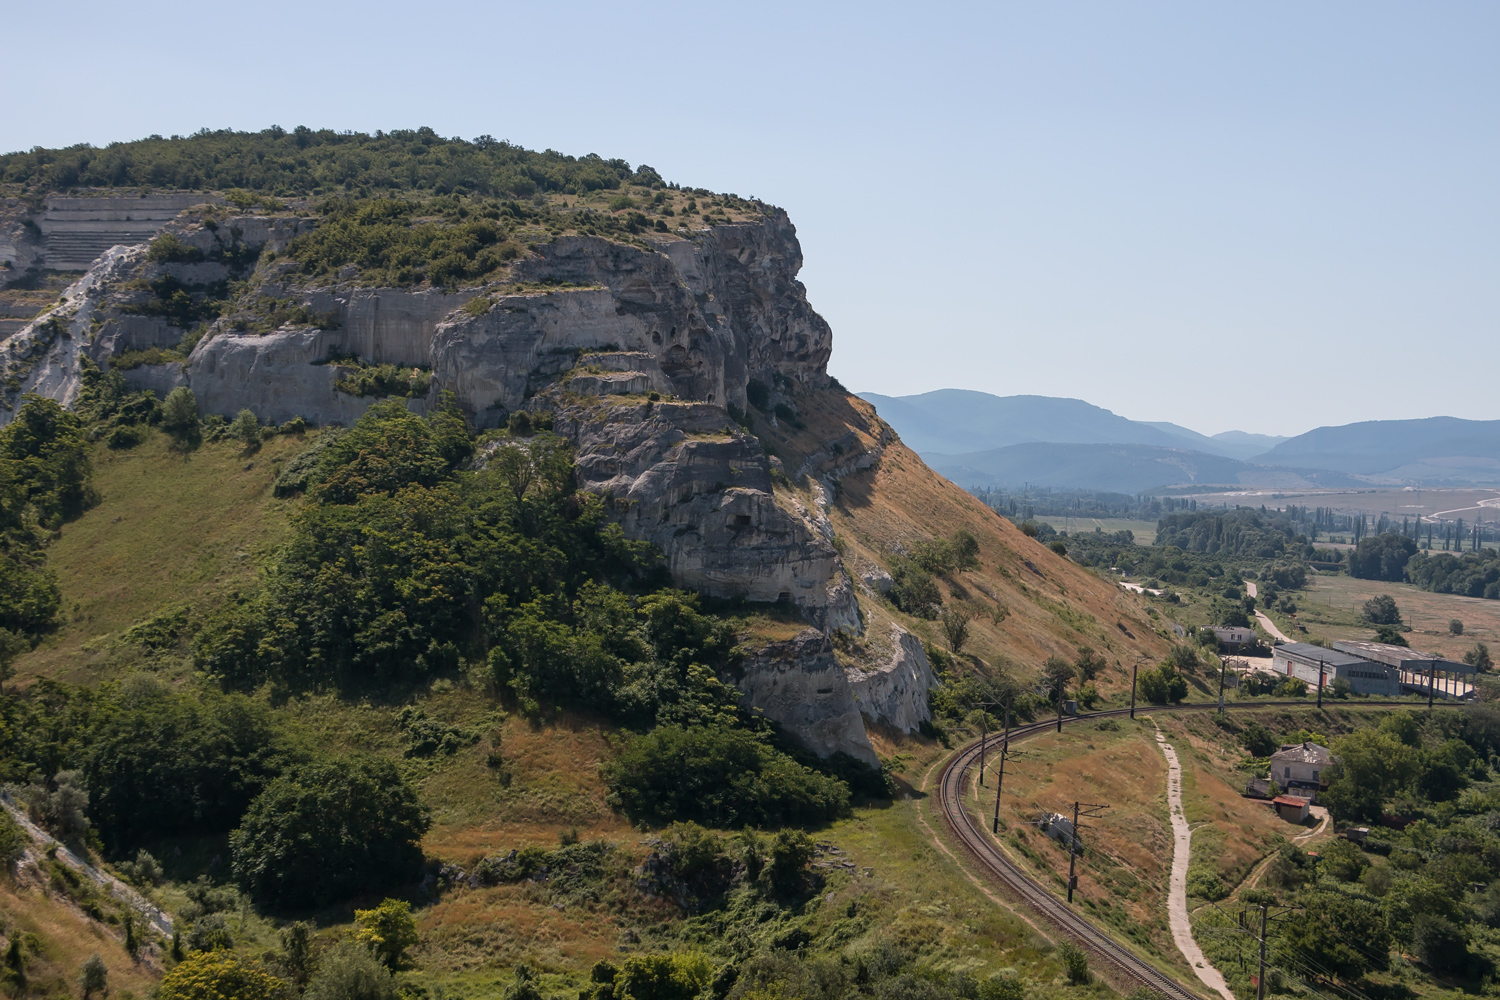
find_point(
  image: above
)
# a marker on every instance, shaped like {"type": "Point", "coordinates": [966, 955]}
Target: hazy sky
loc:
{"type": "Point", "coordinates": [1263, 216]}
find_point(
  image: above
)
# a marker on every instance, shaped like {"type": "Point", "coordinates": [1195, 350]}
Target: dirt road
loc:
{"type": "Point", "coordinates": [1260, 616]}
{"type": "Point", "coordinates": [1182, 851]}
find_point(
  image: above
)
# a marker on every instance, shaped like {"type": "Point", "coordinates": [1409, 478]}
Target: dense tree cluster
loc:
{"type": "Point", "coordinates": [1473, 574]}
{"type": "Point", "coordinates": [317, 161]}
{"type": "Point", "coordinates": [1230, 533]}
{"type": "Point", "coordinates": [1382, 557]}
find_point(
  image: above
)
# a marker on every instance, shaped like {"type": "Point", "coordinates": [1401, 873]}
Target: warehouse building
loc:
{"type": "Point", "coordinates": [1309, 663]}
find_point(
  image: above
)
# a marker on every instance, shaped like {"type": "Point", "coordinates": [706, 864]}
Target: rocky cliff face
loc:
{"type": "Point", "coordinates": [640, 354]}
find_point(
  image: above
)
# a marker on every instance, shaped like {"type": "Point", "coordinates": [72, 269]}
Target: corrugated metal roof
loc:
{"type": "Point", "coordinates": [1303, 753]}
{"type": "Point", "coordinates": [1311, 654]}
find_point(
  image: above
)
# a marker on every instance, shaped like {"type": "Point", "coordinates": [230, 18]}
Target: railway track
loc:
{"type": "Point", "coordinates": [974, 836]}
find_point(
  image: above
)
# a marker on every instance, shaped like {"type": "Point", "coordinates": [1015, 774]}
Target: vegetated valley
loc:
{"type": "Point", "coordinates": [623, 679]}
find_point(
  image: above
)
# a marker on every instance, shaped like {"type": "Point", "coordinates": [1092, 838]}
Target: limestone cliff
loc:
{"type": "Point", "coordinates": [644, 355]}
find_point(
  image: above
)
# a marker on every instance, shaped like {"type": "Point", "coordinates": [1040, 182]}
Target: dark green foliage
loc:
{"type": "Point", "coordinates": [1162, 684]}
{"type": "Point", "coordinates": [1344, 935]}
{"type": "Point", "coordinates": [1382, 557]}
{"type": "Point", "coordinates": [349, 971]}
{"type": "Point", "coordinates": [163, 764]}
{"type": "Point", "coordinates": [1472, 574]}
{"type": "Point", "coordinates": [1391, 636]}
{"type": "Point", "coordinates": [719, 777]}
{"type": "Point", "coordinates": [946, 555]}
{"type": "Point", "coordinates": [1439, 943]}
{"type": "Point", "coordinates": [1075, 962]}
{"type": "Point", "coordinates": [1233, 532]}
{"type": "Point", "coordinates": [179, 418]}
{"type": "Point", "coordinates": [1257, 740]}
{"type": "Point", "coordinates": [46, 467]}
{"type": "Point", "coordinates": [913, 589]}
{"type": "Point", "coordinates": [305, 160]}
{"type": "Point", "coordinates": [385, 380]}
{"type": "Point", "coordinates": [1382, 610]}
{"type": "Point", "coordinates": [180, 303]}
{"type": "Point", "coordinates": [1479, 657]}
{"type": "Point", "coordinates": [299, 472]}
{"type": "Point", "coordinates": [168, 249]}
{"type": "Point", "coordinates": [327, 831]}
{"type": "Point", "coordinates": [390, 247]}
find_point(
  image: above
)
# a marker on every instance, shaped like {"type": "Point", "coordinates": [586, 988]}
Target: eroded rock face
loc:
{"type": "Point", "coordinates": [894, 691]}
{"type": "Point", "coordinates": [693, 321]}
{"type": "Point", "coordinates": [801, 685]}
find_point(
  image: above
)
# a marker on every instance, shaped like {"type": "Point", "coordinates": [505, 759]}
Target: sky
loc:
{"type": "Point", "coordinates": [1265, 217]}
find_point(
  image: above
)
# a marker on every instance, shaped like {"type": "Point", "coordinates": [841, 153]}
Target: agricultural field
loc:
{"type": "Point", "coordinates": [1330, 608]}
{"type": "Point", "coordinates": [1144, 531]}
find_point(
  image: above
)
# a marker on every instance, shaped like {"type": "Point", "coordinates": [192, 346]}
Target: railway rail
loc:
{"type": "Point", "coordinates": [974, 836]}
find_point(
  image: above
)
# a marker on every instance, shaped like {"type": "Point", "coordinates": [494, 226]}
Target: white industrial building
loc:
{"type": "Point", "coordinates": [1317, 665]}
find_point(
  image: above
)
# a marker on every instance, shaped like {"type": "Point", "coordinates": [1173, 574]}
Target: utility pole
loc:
{"type": "Point", "coordinates": [983, 738]}
{"type": "Point", "coordinates": [1223, 666]}
{"type": "Point", "coordinates": [1320, 682]}
{"type": "Point", "coordinates": [1133, 669]}
{"type": "Point", "coordinates": [1260, 983]}
{"type": "Point", "coordinates": [1061, 690]}
{"type": "Point", "coordinates": [1000, 778]}
{"type": "Point", "coordinates": [1088, 810]}
{"type": "Point", "coordinates": [1431, 681]}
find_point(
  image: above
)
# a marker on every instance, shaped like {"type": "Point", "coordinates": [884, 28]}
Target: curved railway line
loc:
{"type": "Point", "coordinates": [972, 833]}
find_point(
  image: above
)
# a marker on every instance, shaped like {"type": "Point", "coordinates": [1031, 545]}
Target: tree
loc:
{"type": "Point", "coordinates": [246, 429]}
{"type": "Point", "coordinates": [93, 977]}
{"type": "Point", "coordinates": [1258, 740]}
{"type": "Point", "coordinates": [348, 971]}
{"type": "Point", "coordinates": [791, 851]}
{"type": "Point", "coordinates": [1162, 684]}
{"type": "Point", "coordinates": [328, 831]}
{"type": "Point", "coordinates": [1075, 961]}
{"type": "Point", "coordinates": [955, 625]}
{"type": "Point", "coordinates": [1373, 766]}
{"type": "Point", "coordinates": [1439, 942]}
{"type": "Point", "coordinates": [1342, 934]}
{"type": "Point", "coordinates": [719, 777]}
{"type": "Point", "coordinates": [296, 952]}
{"type": "Point", "coordinates": [12, 646]}
{"type": "Point", "coordinates": [1390, 635]}
{"type": "Point", "coordinates": [1057, 674]}
{"type": "Point", "coordinates": [1382, 610]}
{"type": "Point", "coordinates": [179, 418]}
{"type": "Point", "coordinates": [1089, 664]}
{"type": "Point", "coordinates": [1382, 557]}
{"type": "Point", "coordinates": [388, 930]}
{"type": "Point", "coordinates": [1455, 627]}
{"type": "Point", "coordinates": [63, 809]}
{"type": "Point", "coordinates": [220, 975]}
{"type": "Point", "coordinates": [1479, 657]}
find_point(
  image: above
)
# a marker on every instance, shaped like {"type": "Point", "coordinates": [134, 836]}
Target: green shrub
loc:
{"type": "Point", "coordinates": [1075, 961]}
{"type": "Point", "coordinates": [168, 249]}
{"type": "Point", "coordinates": [1205, 884]}
{"type": "Point", "coordinates": [719, 777]}
{"type": "Point", "coordinates": [327, 832]}
{"type": "Point", "coordinates": [348, 971]}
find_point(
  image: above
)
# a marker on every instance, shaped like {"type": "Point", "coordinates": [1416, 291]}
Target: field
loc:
{"type": "Point", "coordinates": [1329, 608]}
{"type": "Point", "coordinates": [159, 537]}
{"type": "Point", "coordinates": [1144, 531]}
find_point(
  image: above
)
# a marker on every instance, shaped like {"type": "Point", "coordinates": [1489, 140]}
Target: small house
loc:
{"type": "Point", "coordinates": [1233, 635]}
{"type": "Point", "coordinates": [1300, 765]}
{"type": "Point", "coordinates": [1258, 788]}
{"type": "Point", "coordinates": [1292, 808]}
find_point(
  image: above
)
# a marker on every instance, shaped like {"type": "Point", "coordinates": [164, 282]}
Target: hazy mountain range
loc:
{"type": "Point", "coordinates": [975, 438]}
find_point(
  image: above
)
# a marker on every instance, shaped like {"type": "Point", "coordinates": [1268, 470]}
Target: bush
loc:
{"type": "Point", "coordinates": [1205, 884]}
{"type": "Point", "coordinates": [1382, 610]}
{"type": "Point", "coordinates": [348, 971]}
{"type": "Point", "coordinates": [1455, 627]}
{"type": "Point", "coordinates": [719, 777]}
{"type": "Point", "coordinates": [328, 832]}
{"type": "Point", "coordinates": [1439, 943]}
{"type": "Point", "coordinates": [1162, 684]}
{"type": "Point", "coordinates": [179, 417]}
{"type": "Point", "coordinates": [1075, 961]}
{"type": "Point", "coordinates": [388, 931]}
{"type": "Point", "coordinates": [955, 625]}
{"type": "Point", "coordinates": [1479, 657]}
{"type": "Point", "coordinates": [1258, 740]}
{"type": "Point", "coordinates": [219, 975]}
{"type": "Point", "coordinates": [246, 429]}
{"type": "Point", "coordinates": [913, 590]}
{"type": "Point", "coordinates": [168, 249]}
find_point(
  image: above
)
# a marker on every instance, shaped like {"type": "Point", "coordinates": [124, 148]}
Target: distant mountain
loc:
{"type": "Point", "coordinates": [959, 421]}
{"type": "Point", "coordinates": [1119, 468]}
{"type": "Point", "coordinates": [1435, 450]}
{"type": "Point", "coordinates": [1246, 446]}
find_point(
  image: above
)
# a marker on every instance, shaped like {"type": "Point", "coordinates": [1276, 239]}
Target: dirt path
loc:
{"type": "Point", "coordinates": [158, 919]}
{"type": "Point", "coordinates": [1260, 616]}
{"type": "Point", "coordinates": [1182, 851]}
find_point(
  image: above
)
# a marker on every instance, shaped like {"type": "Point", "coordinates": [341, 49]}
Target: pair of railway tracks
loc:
{"type": "Point", "coordinates": [974, 835]}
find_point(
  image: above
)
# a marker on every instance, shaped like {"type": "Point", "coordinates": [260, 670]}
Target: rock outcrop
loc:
{"type": "Point", "coordinates": [641, 354]}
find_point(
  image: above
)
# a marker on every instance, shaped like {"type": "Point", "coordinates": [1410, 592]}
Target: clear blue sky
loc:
{"type": "Point", "coordinates": [1263, 216]}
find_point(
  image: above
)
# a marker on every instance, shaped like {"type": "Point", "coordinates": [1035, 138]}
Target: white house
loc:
{"type": "Point", "coordinates": [1300, 765]}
